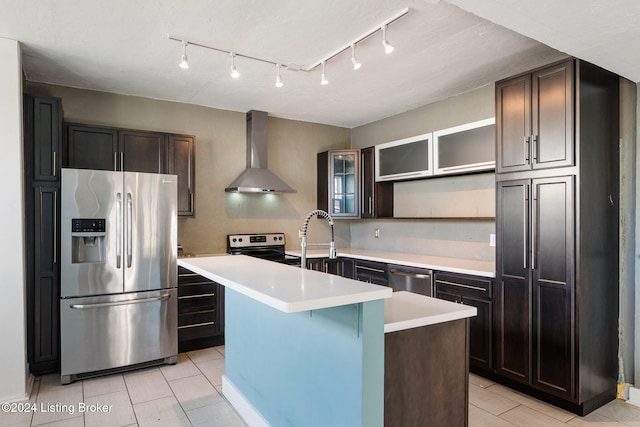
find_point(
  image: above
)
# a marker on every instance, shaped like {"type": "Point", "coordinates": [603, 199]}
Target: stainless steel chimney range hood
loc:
{"type": "Point", "coordinates": [256, 178]}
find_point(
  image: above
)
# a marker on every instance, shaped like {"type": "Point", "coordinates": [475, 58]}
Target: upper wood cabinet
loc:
{"type": "Point", "coordinates": [376, 199]}
{"type": "Point", "coordinates": [534, 120]}
{"type": "Point", "coordinates": [182, 159]}
{"type": "Point", "coordinates": [43, 130]}
{"type": "Point", "coordinates": [143, 151]}
{"type": "Point", "coordinates": [106, 148]}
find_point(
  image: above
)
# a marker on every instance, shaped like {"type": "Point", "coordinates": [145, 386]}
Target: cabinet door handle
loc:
{"type": "Point", "coordinates": [534, 147]}
{"type": "Point", "coordinates": [524, 227]}
{"type": "Point", "coordinates": [370, 205]}
{"type": "Point", "coordinates": [534, 218]}
{"type": "Point", "coordinates": [115, 160]}
{"type": "Point", "coordinates": [122, 160]}
{"type": "Point", "coordinates": [54, 163]}
{"type": "Point", "coordinates": [190, 202]}
{"type": "Point", "coordinates": [55, 227]}
{"type": "Point", "coordinates": [526, 148]}
{"type": "Point", "coordinates": [460, 285]}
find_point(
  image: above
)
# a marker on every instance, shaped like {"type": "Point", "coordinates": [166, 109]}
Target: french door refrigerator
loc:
{"type": "Point", "coordinates": [118, 298]}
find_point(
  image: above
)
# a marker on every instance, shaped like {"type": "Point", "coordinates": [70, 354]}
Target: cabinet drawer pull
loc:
{"type": "Point", "coordinates": [196, 296]}
{"type": "Point", "coordinates": [196, 325]}
{"type": "Point", "coordinates": [370, 269]}
{"type": "Point", "coordinates": [460, 285]}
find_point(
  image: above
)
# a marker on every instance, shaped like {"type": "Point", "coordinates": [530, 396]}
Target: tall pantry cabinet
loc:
{"type": "Point", "coordinates": [557, 234]}
{"type": "Point", "coordinates": [42, 157]}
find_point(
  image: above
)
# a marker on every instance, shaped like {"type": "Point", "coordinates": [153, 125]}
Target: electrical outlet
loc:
{"type": "Point", "coordinates": [376, 233]}
{"type": "Point", "coordinates": [492, 239]}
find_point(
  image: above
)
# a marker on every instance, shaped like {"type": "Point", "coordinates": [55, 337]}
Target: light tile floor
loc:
{"type": "Point", "coordinates": [190, 394]}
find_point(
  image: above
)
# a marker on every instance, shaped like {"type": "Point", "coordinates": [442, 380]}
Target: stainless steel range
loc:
{"type": "Point", "coordinates": [269, 246]}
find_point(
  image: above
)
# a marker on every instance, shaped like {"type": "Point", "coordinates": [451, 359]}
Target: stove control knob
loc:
{"type": "Point", "coordinates": [240, 239]}
{"type": "Point", "coordinates": [233, 240]}
{"type": "Point", "coordinates": [280, 238]}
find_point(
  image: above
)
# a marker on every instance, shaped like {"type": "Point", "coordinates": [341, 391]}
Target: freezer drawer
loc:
{"type": "Point", "coordinates": [115, 331]}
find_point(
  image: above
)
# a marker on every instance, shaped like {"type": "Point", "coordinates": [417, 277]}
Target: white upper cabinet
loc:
{"type": "Point", "coordinates": [466, 148]}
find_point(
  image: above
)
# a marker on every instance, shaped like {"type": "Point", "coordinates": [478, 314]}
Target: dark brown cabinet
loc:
{"type": "Point", "coordinates": [556, 296]}
{"type": "Point", "coordinates": [371, 272]}
{"type": "Point", "coordinates": [91, 147]}
{"type": "Point", "coordinates": [200, 311]}
{"type": "Point", "coordinates": [536, 219]}
{"type": "Point", "coordinates": [43, 143]}
{"type": "Point", "coordinates": [106, 148]}
{"type": "Point", "coordinates": [477, 292]}
{"type": "Point", "coordinates": [342, 267]}
{"type": "Point", "coordinates": [182, 160]}
{"type": "Point", "coordinates": [376, 199]}
{"type": "Point", "coordinates": [143, 151]}
{"type": "Point", "coordinates": [534, 120]}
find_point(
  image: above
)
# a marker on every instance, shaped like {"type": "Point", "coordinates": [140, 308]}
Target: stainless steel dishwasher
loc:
{"type": "Point", "coordinates": [412, 279]}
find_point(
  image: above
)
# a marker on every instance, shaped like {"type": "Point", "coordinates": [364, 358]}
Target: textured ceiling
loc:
{"type": "Point", "coordinates": [121, 46]}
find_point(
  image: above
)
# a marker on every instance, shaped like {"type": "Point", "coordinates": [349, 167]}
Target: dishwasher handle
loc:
{"type": "Point", "coordinates": [409, 274]}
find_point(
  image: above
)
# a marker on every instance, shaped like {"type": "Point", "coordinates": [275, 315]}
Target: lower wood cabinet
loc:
{"type": "Point", "coordinates": [477, 292]}
{"type": "Point", "coordinates": [339, 266]}
{"type": "Point", "coordinates": [200, 311]}
{"type": "Point", "coordinates": [43, 289]}
{"type": "Point", "coordinates": [371, 272]}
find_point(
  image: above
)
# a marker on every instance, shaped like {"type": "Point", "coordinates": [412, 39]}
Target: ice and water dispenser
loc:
{"type": "Point", "coordinates": [88, 240]}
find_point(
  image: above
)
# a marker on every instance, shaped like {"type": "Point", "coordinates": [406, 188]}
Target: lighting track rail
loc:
{"type": "Point", "coordinates": [293, 66]}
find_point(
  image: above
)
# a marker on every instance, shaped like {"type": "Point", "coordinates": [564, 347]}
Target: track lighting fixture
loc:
{"type": "Point", "coordinates": [184, 64]}
{"type": "Point", "coordinates": [354, 60]}
{"type": "Point", "coordinates": [234, 71]}
{"type": "Point", "coordinates": [289, 66]}
{"type": "Point", "coordinates": [278, 78]}
{"type": "Point", "coordinates": [388, 48]}
{"type": "Point", "coordinates": [323, 77]}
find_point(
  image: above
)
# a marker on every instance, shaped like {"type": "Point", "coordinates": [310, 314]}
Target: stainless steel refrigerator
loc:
{"type": "Point", "coordinates": [118, 299]}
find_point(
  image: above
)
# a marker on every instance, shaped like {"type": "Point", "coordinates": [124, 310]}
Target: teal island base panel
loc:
{"type": "Point", "coordinates": [312, 368]}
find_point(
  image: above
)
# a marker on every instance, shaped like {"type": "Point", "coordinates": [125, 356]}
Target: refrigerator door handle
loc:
{"type": "Point", "coordinates": [118, 230]}
{"type": "Point", "coordinates": [115, 303]}
{"type": "Point", "coordinates": [129, 230]}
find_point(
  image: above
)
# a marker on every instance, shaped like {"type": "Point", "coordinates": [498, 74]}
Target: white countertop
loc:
{"type": "Point", "coordinates": [284, 287]}
{"type": "Point", "coordinates": [454, 265]}
{"type": "Point", "coordinates": [407, 310]}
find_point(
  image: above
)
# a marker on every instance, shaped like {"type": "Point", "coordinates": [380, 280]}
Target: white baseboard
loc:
{"type": "Point", "coordinates": [634, 396]}
{"type": "Point", "coordinates": [249, 414]}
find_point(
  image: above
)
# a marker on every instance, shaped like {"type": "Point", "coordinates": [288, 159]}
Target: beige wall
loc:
{"type": "Point", "coordinates": [220, 157]}
{"type": "Point", "coordinates": [451, 196]}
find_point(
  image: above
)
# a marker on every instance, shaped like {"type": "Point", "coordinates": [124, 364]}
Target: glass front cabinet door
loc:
{"type": "Point", "coordinates": [338, 183]}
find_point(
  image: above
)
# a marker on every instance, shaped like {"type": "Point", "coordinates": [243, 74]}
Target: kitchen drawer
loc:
{"type": "Point", "coordinates": [196, 303]}
{"type": "Point", "coordinates": [197, 317]}
{"type": "Point", "coordinates": [197, 331]}
{"type": "Point", "coordinates": [196, 289]}
{"type": "Point", "coordinates": [462, 284]}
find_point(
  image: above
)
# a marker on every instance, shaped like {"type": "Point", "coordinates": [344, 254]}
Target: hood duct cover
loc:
{"type": "Point", "coordinates": [256, 178]}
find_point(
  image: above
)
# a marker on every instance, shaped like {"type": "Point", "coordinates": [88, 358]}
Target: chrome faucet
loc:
{"type": "Point", "coordinates": [332, 245]}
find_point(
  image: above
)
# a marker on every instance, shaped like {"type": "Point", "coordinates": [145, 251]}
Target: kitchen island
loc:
{"type": "Point", "coordinates": [308, 348]}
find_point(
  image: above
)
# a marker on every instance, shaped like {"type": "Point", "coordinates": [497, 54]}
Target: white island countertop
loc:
{"type": "Point", "coordinates": [406, 310]}
{"type": "Point", "coordinates": [453, 265]}
{"type": "Point", "coordinates": [283, 287]}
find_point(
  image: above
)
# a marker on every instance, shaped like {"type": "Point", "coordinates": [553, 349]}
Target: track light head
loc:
{"type": "Point", "coordinates": [356, 64]}
{"type": "Point", "coordinates": [323, 77]}
{"type": "Point", "coordinates": [388, 48]}
{"type": "Point", "coordinates": [184, 64]}
{"type": "Point", "coordinates": [278, 78]}
{"type": "Point", "coordinates": [234, 71]}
